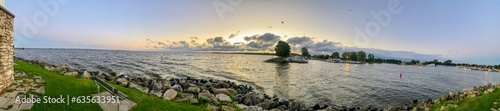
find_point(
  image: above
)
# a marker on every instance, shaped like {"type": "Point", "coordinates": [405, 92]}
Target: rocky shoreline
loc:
{"type": "Point", "coordinates": [223, 94]}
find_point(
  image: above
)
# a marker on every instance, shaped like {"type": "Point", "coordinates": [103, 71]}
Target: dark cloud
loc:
{"type": "Point", "coordinates": [234, 35]}
{"type": "Point", "coordinates": [219, 40]}
{"type": "Point", "coordinates": [250, 38]}
{"type": "Point", "coordinates": [299, 40]}
{"type": "Point", "coordinates": [195, 38]}
{"type": "Point", "coordinates": [268, 37]}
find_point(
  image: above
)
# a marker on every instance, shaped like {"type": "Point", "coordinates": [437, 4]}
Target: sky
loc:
{"type": "Point", "coordinates": [461, 30]}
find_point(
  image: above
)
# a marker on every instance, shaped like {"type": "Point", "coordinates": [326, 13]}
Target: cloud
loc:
{"type": "Point", "coordinates": [299, 40]}
{"type": "Point", "coordinates": [234, 35]}
{"type": "Point", "coordinates": [250, 38]}
{"type": "Point", "coordinates": [267, 41]}
{"type": "Point", "coordinates": [268, 37]}
{"type": "Point", "coordinates": [219, 40]}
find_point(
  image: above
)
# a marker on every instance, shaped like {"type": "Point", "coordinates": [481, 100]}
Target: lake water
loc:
{"type": "Point", "coordinates": [378, 85]}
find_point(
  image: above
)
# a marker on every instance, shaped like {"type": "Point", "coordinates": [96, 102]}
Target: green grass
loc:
{"type": "Point", "coordinates": [480, 103]}
{"type": "Point", "coordinates": [57, 84]}
{"type": "Point", "coordinates": [149, 102]}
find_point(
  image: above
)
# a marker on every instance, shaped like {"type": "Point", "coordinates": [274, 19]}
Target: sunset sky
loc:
{"type": "Point", "coordinates": [460, 30]}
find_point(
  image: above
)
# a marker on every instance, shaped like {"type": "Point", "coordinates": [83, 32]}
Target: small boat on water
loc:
{"type": "Point", "coordinates": [297, 59]}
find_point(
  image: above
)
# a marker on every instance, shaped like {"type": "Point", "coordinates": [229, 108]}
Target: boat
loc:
{"type": "Point", "coordinates": [297, 59]}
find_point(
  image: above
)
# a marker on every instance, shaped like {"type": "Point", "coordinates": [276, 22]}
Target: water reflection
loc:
{"type": "Point", "coordinates": [486, 77]}
{"type": "Point", "coordinates": [282, 85]}
{"type": "Point", "coordinates": [346, 68]}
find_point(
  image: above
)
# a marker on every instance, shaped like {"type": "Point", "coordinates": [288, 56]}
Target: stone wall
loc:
{"type": "Point", "coordinates": [6, 48]}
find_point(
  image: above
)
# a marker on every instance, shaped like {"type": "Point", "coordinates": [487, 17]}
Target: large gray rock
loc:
{"type": "Point", "coordinates": [122, 81]}
{"type": "Point", "coordinates": [177, 88]}
{"type": "Point", "coordinates": [193, 90]}
{"type": "Point", "coordinates": [110, 78]}
{"type": "Point", "coordinates": [61, 68]}
{"type": "Point", "coordinates": [50, 68]}
{"type": "Point", "coordinates": [267, 104]}
{"type": "Point", "coordinates": [185, 97]}
{"type": "Point", "coordinates": [444, 97]}
{"type": "Point", "coordinates": [221, 84]}
{"type": "Point", "coordinates": [295, 106]}
{"type": "Point", "coordinates": [223, 97]}
{"type": "Point", "coordinates": [241, 106]}
{"type": "Point", "coordinates": [222, 90]}
{"type": "Point", "coordinates": [253, 108]}
{"type": "Point", "coordinates": [85, 74]}
{"type": "Point", "coordinates": [170, 94]}
{"type": "Point", "coordinates": [72, 74]}
{"type": "Point", "coordinates": [212, 107]}
{"type": "Point", "coordinates": [227, 108]}
{"type": "Point", "coordinates": [207, 96]}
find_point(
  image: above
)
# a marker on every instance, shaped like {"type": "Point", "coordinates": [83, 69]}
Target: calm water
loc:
{"type": "Point", "coordinates": [378, 85]}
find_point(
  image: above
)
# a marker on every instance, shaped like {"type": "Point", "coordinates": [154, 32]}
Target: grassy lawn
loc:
{"type": "Point", "coordinates": [148, 102]}
{"type": "Point", "coordinates": [57, 84]}
{"type": "Point", "coordinates": [480, 103]}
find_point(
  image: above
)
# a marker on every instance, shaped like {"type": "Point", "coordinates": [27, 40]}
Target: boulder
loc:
{"type": "Point", "coordinates": [177, 88]}
{"type": "Point", "coordinates": [50, 68]}
{"type": "Point", "coordinates": [102, 76]}
{"type": "Point", "coordinates": [61, 68]}
{"type": "Point", "coordinates": [85, 74]}
{"type": "Point", "coordinates": [491, 90]}
{"type": "Point", "coordinates": [212, 107]}
{"type": "Point", "coordinates": [185, 97]}
{"type": "Point", "coordinates": [73, 74]}
{"type": "Point", "coordinates": [110, 78]}
{"type": "Point", "coordinates": [227, 108]}
{"type": "Point", "coordinates": [221, 84]}
{"type": "Point", "coordinates": [267, 104]}
{"type": "Point", "coordinates": [223, 97]}
{"type": "Point", "coordinates": [295, 106]}
{"type": "Point", "coordinates": [208, 85]}
{"type": "Point", "coordinates": [193, 101]}
{"type": "Point", "coordinates": [122, 81]}
{"type": "Point", "coordinates": [207, 96]}
{"type": "Point", "coordinates": [241, 106]}
{"type": "Point", "coordinates": [170, 94]}
{"type": "Point", "coordinates": [444, 97]}
{"type": "Point", "coordinates": [247, 101]}
{"type": "Point", "coordinates": [222, 90]}
{"type": "Point", "coordinates": [253, 108]}
{"type": "Point", "coordinates": [193, 90]}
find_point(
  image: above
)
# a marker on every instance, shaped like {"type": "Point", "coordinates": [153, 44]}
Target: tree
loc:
{"type": "Point", "coordinates": [353, 56]}
{"type": "Point", "coordinates": [435, 61]}
{"type": "Point", "coordinates": [335, 55]}
{"type": "Point", "coordinates": [361, 56]}
{"type": "Point", "coordinates": [371, 58]}
{"type": "Point", "coordinates": [345, 56]}
{"type": "Point", "coordinates": [305, 52]}
{"type": "Point", "coordinates": [447, 62]}
{"type": "Point", "coordinates": [282, 49]}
